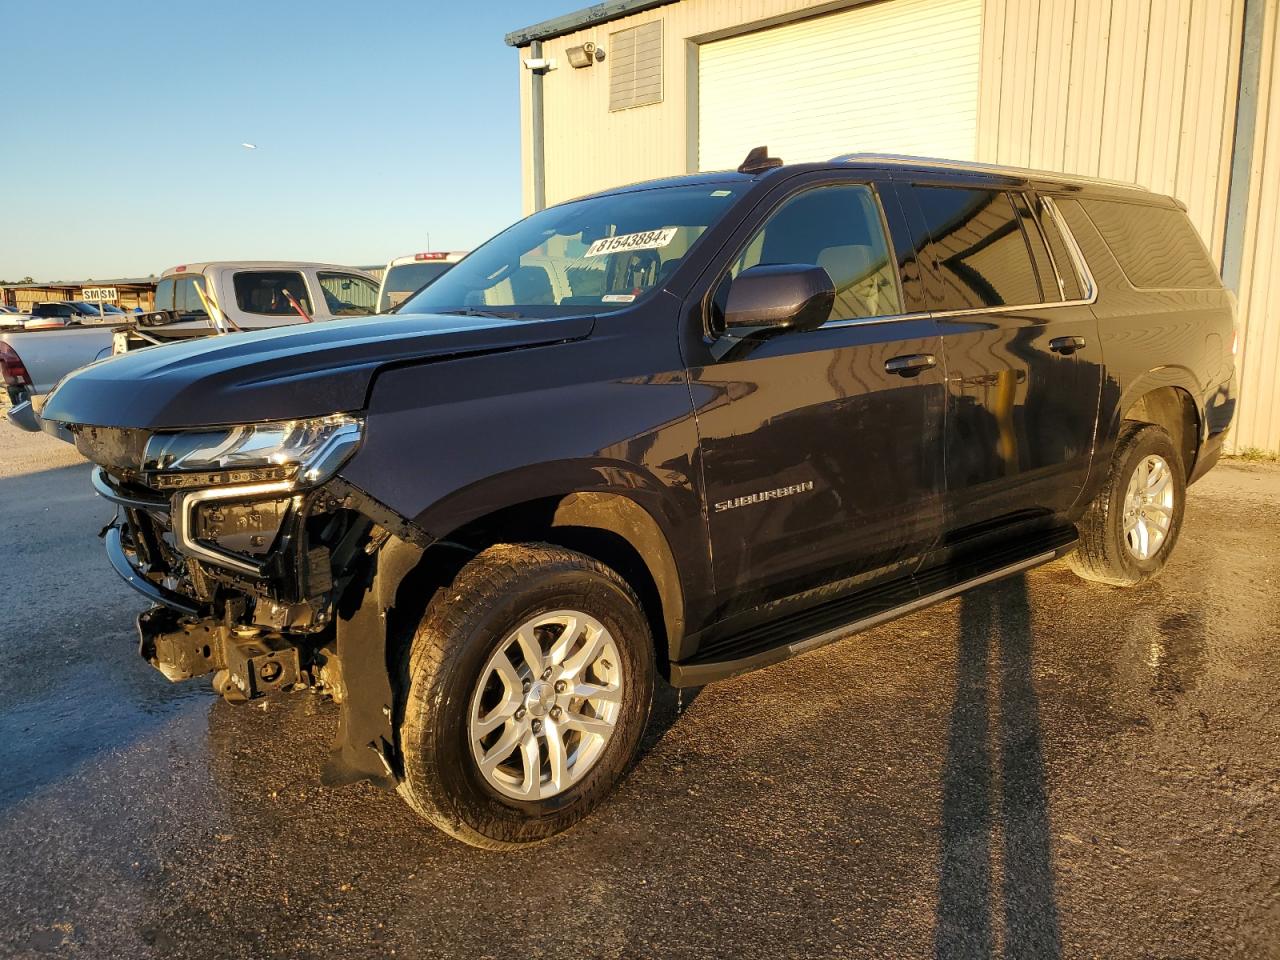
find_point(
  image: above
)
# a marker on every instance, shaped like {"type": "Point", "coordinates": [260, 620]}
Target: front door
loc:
{"type": "Point", "coordinates": [821, 452]}
{"type": "Point", "coordinates": [1022, 354]}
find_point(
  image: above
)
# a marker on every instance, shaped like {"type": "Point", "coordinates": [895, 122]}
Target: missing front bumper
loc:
{"type": "Point", "coordinates": [245, 664]}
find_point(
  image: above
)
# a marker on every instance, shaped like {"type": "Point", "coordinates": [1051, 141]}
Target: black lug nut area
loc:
{"type": "Point", "coordinates": [537, 726]}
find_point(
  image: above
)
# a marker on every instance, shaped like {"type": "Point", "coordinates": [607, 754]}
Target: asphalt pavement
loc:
{"type": "Point", "coordinates": [1042, 768]}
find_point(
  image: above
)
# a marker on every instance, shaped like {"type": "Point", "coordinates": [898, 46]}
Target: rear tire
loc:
{"type": "Point", "coordinates": [1131, 527]}
{"type": "Point", "coordinates": [475, 689]}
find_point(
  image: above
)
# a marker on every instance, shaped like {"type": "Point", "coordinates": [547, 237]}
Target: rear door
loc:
{"type": "Point", "coordinates": [820, 464]}
{"type": "Point", "coordinates": [1022, 353]}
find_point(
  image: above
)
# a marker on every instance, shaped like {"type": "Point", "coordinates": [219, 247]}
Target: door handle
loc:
{"type": "Point", "coordinates": [911, 365]}
{"type": "Point", "coordinates": [1066, 345]}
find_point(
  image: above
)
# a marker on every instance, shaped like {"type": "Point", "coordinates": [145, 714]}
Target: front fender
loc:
{"type": "Point", "coordinates": [448, 444]}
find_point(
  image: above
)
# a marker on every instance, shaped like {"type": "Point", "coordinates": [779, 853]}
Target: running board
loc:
{"type": "Point", "coordinates": [828, 622]}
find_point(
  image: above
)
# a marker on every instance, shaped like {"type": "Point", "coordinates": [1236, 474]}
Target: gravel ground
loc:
{"type": "Point", "coordinates": [1041, 768]}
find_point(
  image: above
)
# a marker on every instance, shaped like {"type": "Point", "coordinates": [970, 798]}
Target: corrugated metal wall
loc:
{"type": "Point", "coordinates": [1135, 90]}
{"type": "Point", "coordinates": [1258, 420]}
{"type": "Point", "coordinates": [1145, 91]}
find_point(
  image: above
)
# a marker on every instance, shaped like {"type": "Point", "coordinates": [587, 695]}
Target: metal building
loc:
{"type": "Point", "coordinates": [1182, 96]}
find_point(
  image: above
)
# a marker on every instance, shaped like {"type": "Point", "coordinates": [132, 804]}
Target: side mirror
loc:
{"type": "Point", "coordinates": [778, 297]}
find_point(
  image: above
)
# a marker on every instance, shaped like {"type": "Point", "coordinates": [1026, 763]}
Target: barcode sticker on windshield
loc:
{"type": "Point", "coordinates": [647, 240]}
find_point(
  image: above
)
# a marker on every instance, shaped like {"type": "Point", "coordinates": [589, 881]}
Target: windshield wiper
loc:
{"type": "Point", "coordinates": [477, 312]}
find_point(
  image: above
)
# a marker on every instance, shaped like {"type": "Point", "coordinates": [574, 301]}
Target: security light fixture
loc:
{"type": "Point", "coordinates": [584, 55]}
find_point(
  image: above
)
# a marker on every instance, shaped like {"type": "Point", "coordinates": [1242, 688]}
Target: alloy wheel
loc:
{"type": "Point", "coordinates": [545, 705]}
{"type": "Point", "coordinates": [1148, 507]}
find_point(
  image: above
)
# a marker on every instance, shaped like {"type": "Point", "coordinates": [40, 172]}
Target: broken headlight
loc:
{"type": "Point", "coordinates": [309, 451]}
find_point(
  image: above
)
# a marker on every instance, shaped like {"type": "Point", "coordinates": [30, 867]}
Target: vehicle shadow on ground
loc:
{"type": "Point", "coordinates": [996, 720]}
{"type": "Point", "coordinates": [669, 704]}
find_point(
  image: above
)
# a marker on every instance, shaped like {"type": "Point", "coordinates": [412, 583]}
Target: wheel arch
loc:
{"type": "Point", "coordinates": [607, 525]}
{"type": "Point", "coordinates": [1167, 401]}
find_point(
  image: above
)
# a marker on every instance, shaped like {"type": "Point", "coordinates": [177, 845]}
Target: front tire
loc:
{"type": "Point", "coordinates": [530, 681]}
{"type": "Point", "coordinates": [1129, 530]}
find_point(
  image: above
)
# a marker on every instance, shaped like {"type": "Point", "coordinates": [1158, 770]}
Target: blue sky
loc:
{"type": "Point", "coordinates": [376, 124]}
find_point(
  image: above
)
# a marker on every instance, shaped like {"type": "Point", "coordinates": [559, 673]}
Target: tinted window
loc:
{"type": "Point", "coordinates": [267, 292]}
{"type": "Point", "coordinates": [164, 294]}
{"type": "Point", "coordinates": [1155, 246]}
{"type": "Point", "coordinates": [982, 255]}
{"type": "Point", "coordinates": [408, 278]}
{"type": "Point", "coordinates": [839, 229]}
{"type": "Point", "coordinates": [347, 295]}
{"type": "Point", "coordinates": [1071, 286]}
{"type": "Point", "coordinates": [185, 298]}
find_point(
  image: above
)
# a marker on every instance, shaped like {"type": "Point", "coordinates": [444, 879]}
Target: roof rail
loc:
{"type": "Point", "coordinates": [905, 160]}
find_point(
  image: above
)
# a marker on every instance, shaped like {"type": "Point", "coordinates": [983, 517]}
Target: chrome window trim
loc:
{"type": "Point", "coordinates": [1048, 247]}
{"type": "Point", "coordinates": [863, 321]}
{"type": "Point", "coordinates": [1083, 273]}
{"type": "Point", "coordinates": [184, 511]}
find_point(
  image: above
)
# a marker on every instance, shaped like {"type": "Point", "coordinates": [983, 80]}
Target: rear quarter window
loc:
{"type": "Point", "coordinates": [267, 292]}
{"type": "Point", "coordinates": [1156, 247]}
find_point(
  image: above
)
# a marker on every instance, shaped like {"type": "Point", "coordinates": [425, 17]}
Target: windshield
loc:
{"type": "Point", "coordinates": [604, 251]}
{"type": "Point", "coordinates": [408, 278]}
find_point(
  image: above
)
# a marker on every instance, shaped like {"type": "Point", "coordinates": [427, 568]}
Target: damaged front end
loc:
{"type": "Point", "coordinates": [247, 544]}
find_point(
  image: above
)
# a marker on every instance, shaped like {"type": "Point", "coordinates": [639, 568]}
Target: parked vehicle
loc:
{"type": "Point", "coordinates": [774, 407]}
{"type": "Point", "coordinates": [12, 318]}
{"type": "Point", "coordinates": [33, 360]}
{"type": "Point", "coordinates": [406, 275]}
{"type": "Point", "coordinates": [250, 295]}
{"type": "Point", "coordinates": [62, 313]}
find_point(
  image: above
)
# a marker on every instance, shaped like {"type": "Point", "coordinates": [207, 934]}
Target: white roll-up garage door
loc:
{"type": "Point", "coordinates": [897, 76]}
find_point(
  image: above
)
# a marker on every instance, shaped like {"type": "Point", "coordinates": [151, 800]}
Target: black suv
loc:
{"type": "Point", "coordinates": [689, 427]}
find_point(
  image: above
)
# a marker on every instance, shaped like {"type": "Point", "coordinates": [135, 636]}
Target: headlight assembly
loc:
{"type": "Point", "coordinates": [306, 451]}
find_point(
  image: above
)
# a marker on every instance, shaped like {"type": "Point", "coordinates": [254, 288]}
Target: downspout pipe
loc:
{"type": "Point", "coordinates": [539, 141]}
{"type": "Point", "coordinates": [1242, 144]}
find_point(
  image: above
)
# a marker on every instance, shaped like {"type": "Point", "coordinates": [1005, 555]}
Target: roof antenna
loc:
{"type": "Point", "coordinates": [758, 161]}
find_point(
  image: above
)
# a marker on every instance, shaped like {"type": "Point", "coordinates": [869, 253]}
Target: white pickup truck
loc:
{"type": "Point", "coordinates": [248, 295]}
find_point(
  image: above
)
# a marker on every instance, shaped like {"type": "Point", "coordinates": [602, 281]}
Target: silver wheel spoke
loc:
{"type": "Point", "coordinates": [531, 648]}
{"type": "Point", "coordinates": [593, 691]}
{"type": "Point", "coordinates": [584, 658]}
{"type": "Point", "coordinates": [532, 753]}
{"type": "Point", "coordinates": [564, 642]}
{"type": "Point", "coordinates": [497, 716]}
{"type": "Point", "coordinates": [501, 750]}
{"type": "Point", "coordinates": [507, 673]}
{"type": "Point", "coordinates": [584, 724]}
{"type": "Point", "coordinates": [557, 756]}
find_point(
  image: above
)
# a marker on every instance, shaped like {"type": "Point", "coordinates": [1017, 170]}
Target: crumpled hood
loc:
{"type": "Point", "coordinates": [280, 374]}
